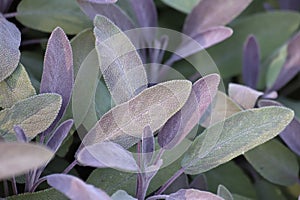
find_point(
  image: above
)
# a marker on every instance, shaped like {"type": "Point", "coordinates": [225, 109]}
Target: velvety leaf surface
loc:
{"type": "Point", "coordinates": [183, 6]}
{"type": "Point", "coordinates": [121, 66]}
{"type": "Point", "coordinates": [274, 162]}
{"type": "Point", "coordinates": [122, 195]}
{"type": "Point", "coordinates": [48, 194]}
{"type": "Point", "coordinates": [236, 136]}
{"type": "Point", "coordinates": [33, 115]}
{"type": "Point", "coordinates": [291, 66]}
{"type": "Point", "coordinates": [251, 61]}
{"type": "Point", "coordinates": [153, 107]}
{"type": "Point", "coordinates": [224, 193]}
{"type": "Point", "coordinates": [290, 135]}
{"type": "Point", "coordinates": [178, 127]}
{"type": "Point", "coordinates": [44, 15]}
{"type": "Point", "coordinates": [9, 47]}
{"type": "Point", "coordinates": [245, 96]}
{"type": "Point", "coordinates": [222, 108]}
{"type": "Point", "coordinates": [191, 194]}
{"type": "Point", "coordinates": [21, 157]}
{"type": "Point", "coordinates": [200, 41]}
{"type": "Point", "coordinates": [59, 135]}
{"type": "Point", "coordinates": [82, 44]}
{"type": "Point", "coordinates": [15, 88]}
{"type": "Point", "coordinates": [58, 75]}
{"type": "Point", "coordinates": [228, 55]}
{"type": "Point", "coordinates": [74, 188]}
{"type": "Point", "coordinates": [107, 154]}
{"type": "Point", "coordinates": [119, 17]}
{"type": "Point", "coordinates": [210, 13]}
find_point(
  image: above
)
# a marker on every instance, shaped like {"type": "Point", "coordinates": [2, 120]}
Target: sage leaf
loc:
{"type": "Point", "coordinates": [124, 124]}
{"type": "Point", "coordinates": [9, 48]}
{"type": "Point", "coordinates": [121, 66]}
{"type": "Point", "coordinates": [34, 115]}
{"type": "Point", "coordinates": [224, 193]}
{"type": "Point", "coordinates": [15, 88]}
{"type": "Point", "coordinates": [183, 6]}
{"type": "Point", "coordinates": [189, 194]}
{"type": "Point", "coordinates": [235, 137]}
{"type": "Point", "coordinates": [122, 195]}
{"type": "Point", "coordinates": [21, 157]}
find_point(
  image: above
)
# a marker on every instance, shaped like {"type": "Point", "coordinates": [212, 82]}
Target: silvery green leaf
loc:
{"type": "Point", "coordinates": [235, 137]}
{"type": "Point", "coordinates": [192, 194]}
{"type": "Point", "coordinates": [124, 124]}
{"type": "Point", "coordinates": [122, 195]}
{"type": "Point", "coordinates": [15, 88]}
{"type": "Point", "coordinates": [9, 47]}
{"type": "Point", "coordinates": [121, 65]}
{"type": "Point", "coordinates": [18, 158]}
{"type": "Point", "coordinates": [34, 115]}
{"type": "Point", "coordinates": [224, 193]}
{"type": "Point", "coordinates": [183, 6]}
{"type": "Point", "coordinates": [75, 189]}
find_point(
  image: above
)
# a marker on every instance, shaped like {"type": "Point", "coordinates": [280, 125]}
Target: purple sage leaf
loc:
{"type": "Point", "coordinates": [290, 135]}
{"type": "Point", "coordinates": [179, 126]}
{"type": "Point", "coordinates": [289, 4]}
{"type": "Point", "coordinates": [291, 66]}
{"type": "Point", "coordinates": [245, 96]}
{"type": "Point", "coordinates": [111, 11]}
{"type": "Point", "coordinates": [210, 13]}
{"type": "Point", "coordinates": [75, 189]}
{"type": "Point", "coordinates": [251, 62]}
{"type": "Point", "coordinates": [9, 48]}
{"type": "Point", "coordinates": [58, 75]}
{"type": "Point", "coordinates": [192, 194]}
{"type": "Point", "coordinates": [200, 41]}
{"type": "Point", "coordinates": [59, 135]}
{"type": "Point", "coordinates": [4, 5]}
{"type": "Point", "coordinates": [20, 135]}
{"type": "Point", "coordinates": [148, 145]}
{"type": "Point", "coordinates": [107, 154]}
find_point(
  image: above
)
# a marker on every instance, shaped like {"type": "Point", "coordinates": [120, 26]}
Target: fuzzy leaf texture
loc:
{"type": "Point", "coordinates": [21, 157]}
{"type": "Point", "coordinates": [121, 66]}
{"type": "Point", "coordinates": [15, 88]}
{"type": "Point", "coordinates": [124, 124]}
{"type": "Point", "coordinates": [235, 137]}
{"type": "Point", "coordinates": [34, 115]}
{"type": "Point", "coordinates": [9, 47]}
{"type": "Point", "coordinates": [192, 194]}
{"type": "Point", "coordinates": [74, 188]}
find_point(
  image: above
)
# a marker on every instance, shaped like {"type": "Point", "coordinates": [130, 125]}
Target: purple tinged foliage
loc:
{"type": "Point", "coordinates": [210, 13]}
{"type": "Point", "coordinates": [58, 75]}
{"type": "Point", "coordinates": [148, 145]}
{"type": "Point", "coordinates": [179, 126]}
{"type": "Point", "coordinates": [245, 96]}
{"type": "Point", "coordinates": [4, 5]}
{"type": "Point", "coordinates": [291, 66]}
{"type": "Point", "coordinates": [59, 135]}
{"type": "Point", "coordinates": [290, 135]}
{"type": "Point", "coordinates": [192, 194]}
{"type": "Point", "coordinates": [204, 39]}
{"type": "Point", "coordinates": [75, 189]}
{"type": "Point", "coordinates": [21, 136]}
{"type": "Point", "coordinates": [289, 4]}
{"type": "Point", "coordinates": [119, 17]}
{"type": "Point", "coordinates": [251, 61]}
{"type": "Point", "coordinates": [107, 154]}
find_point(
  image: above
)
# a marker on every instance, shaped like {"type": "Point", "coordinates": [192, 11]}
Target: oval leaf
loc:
{"type": "Point", "coordinates": [15, 88]}
{"type": "Point", "coordinates": [121, 66]}
{"type": "Point", "coordinates": [210, 13]}
{"type": "Point", "coordinates": [224, 193]}
{"type": "Point", "coordinates": [178, 127]}
{"type": "Point", "coordinates": [75, 189]}
{"type": "Point", "coordinates": [192, 194]}
{"type": "Point", "coordinates": [183, 6]}
{"type": "Point", "coordinates": [21, 157]}
{"type": "Point", "coordinates": [34, 115]}
{"type": "Point", "coordinates": [46, 15]}
{"type": "Point", "coordinates": [153, 107]}
{"type": "Point", "coordinates": [274, 162]}
{"type": "Point", "coordinates": [9, 47]}
{"type": "Point", "coordinates": [107, 154]}
{"type": "Point", "coordinates": [236, 136]}
{"type": "Point", "coordinates": [122, 195]}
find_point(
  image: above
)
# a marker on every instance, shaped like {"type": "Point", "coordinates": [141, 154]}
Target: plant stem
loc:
{"type": "Point", "coordinates": [170, 181]}
{"type": "Point", "coordinates": [158, 197]}
{"type": "Point", "coordinates": [70, 167]}
{"type": "Point", "coordinates": [37, 183]}
{"type": "Point", "coordinates": [10, 15]}
{"type": "Point", "coordinates": [14, 186]}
